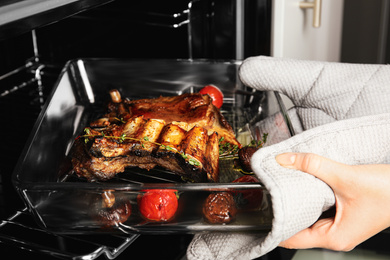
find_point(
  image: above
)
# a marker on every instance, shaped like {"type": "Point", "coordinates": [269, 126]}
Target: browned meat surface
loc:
{"type": "Point", "coordinates": [187, 111]}
{"type": "Point", "coordinates": [179, 133]}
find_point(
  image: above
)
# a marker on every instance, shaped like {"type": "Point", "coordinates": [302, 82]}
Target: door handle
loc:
{"type": "Point", "coordinates": [316, 6]}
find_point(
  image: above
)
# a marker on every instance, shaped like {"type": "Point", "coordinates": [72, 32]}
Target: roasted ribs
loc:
{"type": "Point", "coordinates": [179, 133]}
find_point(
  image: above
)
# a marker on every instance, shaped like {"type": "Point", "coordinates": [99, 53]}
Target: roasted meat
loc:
{"type": "Point", "coordinates": [179, 133]}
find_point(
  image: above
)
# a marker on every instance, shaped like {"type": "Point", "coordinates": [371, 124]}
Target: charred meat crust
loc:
{"type": "Point", "coordinates": [105, 157]}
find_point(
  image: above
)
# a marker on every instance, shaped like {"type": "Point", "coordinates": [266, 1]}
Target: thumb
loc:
{"type": "Point", "coordinates": [323, 168]}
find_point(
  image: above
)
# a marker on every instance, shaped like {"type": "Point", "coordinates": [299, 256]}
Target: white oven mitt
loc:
{"type": "Point", "coordinates": [344, 111]}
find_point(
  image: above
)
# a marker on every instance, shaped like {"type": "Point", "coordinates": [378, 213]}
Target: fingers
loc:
{"type": "Point", "coordinates": [311, 237]}
{"type": "Point", "coordinates": [362, 196]}
{"type": "Point", "coordinates": [323, 168]}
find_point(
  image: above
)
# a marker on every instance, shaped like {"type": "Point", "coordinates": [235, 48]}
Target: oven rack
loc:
{"type": "Point", "coordinates": [22, 94]}
{"type": "Point", "coordinates": [25, 89]}
{"type": "Point", "coordinates": [21, 231]}
{"type": "Point", "coordinates": [21, 16]}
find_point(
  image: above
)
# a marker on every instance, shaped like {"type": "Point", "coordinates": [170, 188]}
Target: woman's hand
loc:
{"type": "Point", "coordinates": [362, 202]}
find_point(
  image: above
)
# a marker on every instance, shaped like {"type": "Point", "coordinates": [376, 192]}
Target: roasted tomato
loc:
{"type": "Point", "coordinates": [244, 157]}
{"type": "Point", "coordinates": [158, 205]}
{"type": "Point", "coordinates": [110, 209]}
{"type": "Point", "coordinates": [248, 199]}
{"type": "Point", "coordinates": [114, 215]}
{"type": "Point", "coordinates": [215, 93]}
{"type": "Point", "coordinates": [219, 208]}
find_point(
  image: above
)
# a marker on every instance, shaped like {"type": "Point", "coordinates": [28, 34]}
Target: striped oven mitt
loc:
{"type": "Point", "coordinates": [341, 111]}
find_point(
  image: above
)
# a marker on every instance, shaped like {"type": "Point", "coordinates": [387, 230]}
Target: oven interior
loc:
{"type": "Point", "coordinates": [33, 51]}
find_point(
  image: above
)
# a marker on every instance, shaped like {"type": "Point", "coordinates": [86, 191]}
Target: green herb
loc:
{"type": "Point", "coordinates": [229, 150]}
{"type": "Point", "coordinates": [120, 119]}
{"type": "Point", "coordinates": [259, 143]}
{"type": "Point", "coordinates": [226, 149]}
{"type": "Point", "coordinates": [166, 147]}
{"type": "Point", "coordinates": [87, 134]}
{"type": "Point", "coordinates": [193, 162]}
{"type": "Point", "coordinates": [122, 138]}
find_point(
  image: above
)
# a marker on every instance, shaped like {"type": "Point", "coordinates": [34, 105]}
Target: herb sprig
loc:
{"type": "Point", "coordinates": [259, 143]}
{"type": "Point", "coordinates": [229, 150]}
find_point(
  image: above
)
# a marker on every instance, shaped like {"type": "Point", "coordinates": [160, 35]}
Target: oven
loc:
{"type": "Point", "coordinates": [38, 37]}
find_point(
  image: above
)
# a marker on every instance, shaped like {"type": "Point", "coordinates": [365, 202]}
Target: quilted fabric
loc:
{"type": "Point", "coordinates": [298, 199]}
{"type": "Point", "coordinates": [322, 92]}
{"type": "Point", "coordinates": [344, 112]}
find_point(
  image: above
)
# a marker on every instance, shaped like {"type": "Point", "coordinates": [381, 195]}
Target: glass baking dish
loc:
{"type": "Point", "coordinates": [63, 203]}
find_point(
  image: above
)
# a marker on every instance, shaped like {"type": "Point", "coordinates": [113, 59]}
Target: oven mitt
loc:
{"type": "Point", "coordinates": [343, 110]}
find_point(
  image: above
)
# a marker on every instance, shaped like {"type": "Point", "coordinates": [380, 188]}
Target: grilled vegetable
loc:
{"type": "Point", "coordinates": [215, 93]}
{"type": "Point", "coordinates": [158, 205]}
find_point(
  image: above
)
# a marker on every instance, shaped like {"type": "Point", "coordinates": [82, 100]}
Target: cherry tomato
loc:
{"type": "Point", "coordinates": [215, 93]}
{"type": "Point", "coordinates": [249, 199]}
{"type": "Point", "coordinates": [158, 205]}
